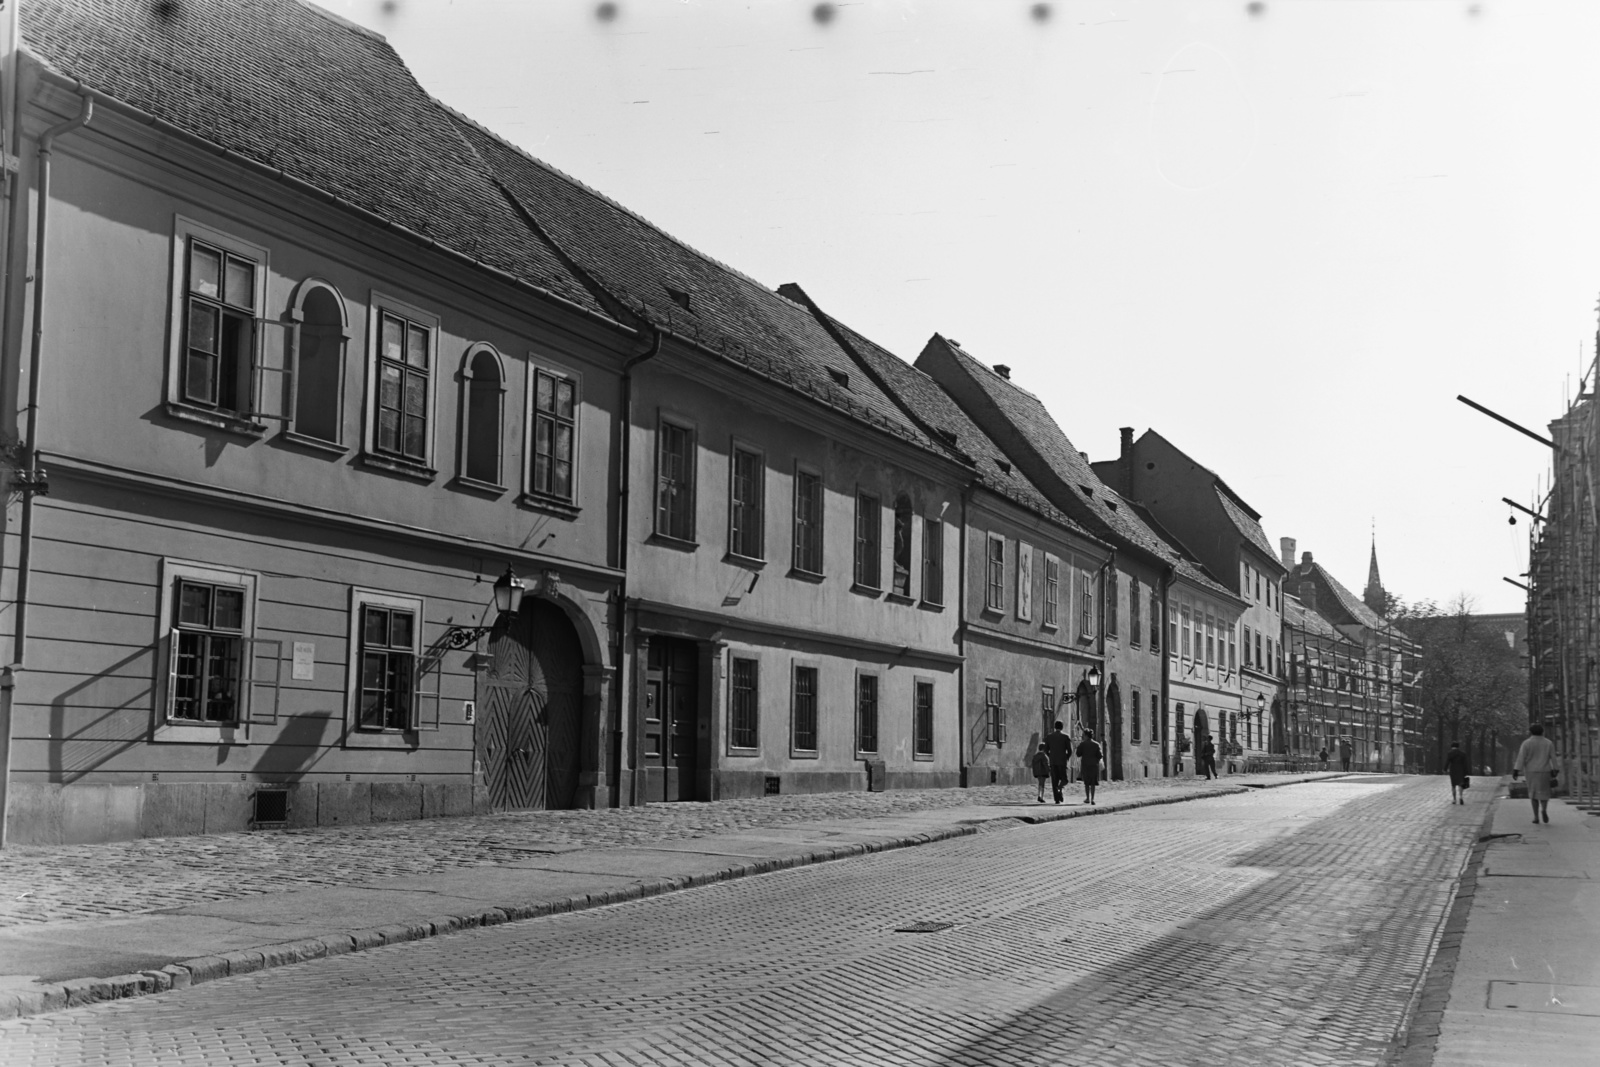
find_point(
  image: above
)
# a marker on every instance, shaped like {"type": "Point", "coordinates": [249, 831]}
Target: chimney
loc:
{"type": "Point", "coordinates": [1125, 462]}
{"type": "Point", "coordinates": [1305, 559]}
{"type": "Point", "coordinates": [1286, 552]}
{"type": "Point", "coordinates": [1003, 370]}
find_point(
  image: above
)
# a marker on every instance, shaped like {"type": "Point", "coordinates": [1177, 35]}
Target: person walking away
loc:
{"type": "Point", "coordinates": [1041, 768]}
{"type": "Point", "coordinates": [1537, 759]}
{"type": "Point", "coordinates": [1455, 765]}
{"type": "Point", "coordinates": [1208, 758]}
{"type": "Point", "coordinates": [1058, 746]}
{"type": "Point", "coordinates": [1344, 753]}
{"type": "Point", "coordinates": [1089, 756]}
{"type": "Point", "coordinates": [1323, 756]}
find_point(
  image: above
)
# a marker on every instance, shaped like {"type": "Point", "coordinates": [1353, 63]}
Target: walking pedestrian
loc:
{"type": "Point", "coordinates": [1208, 758]}
{"type": "Point", "coordinates": [1058, 746]}
{"type": "Point", "coordinates": [1344, 753]}
{"type": "Point", "coordinates": [1537, 759]}
{"type": "Point", "coordinates": [1455, 765]}
{"type": "Point", "coordinates": [1089, 756]}
{"type": "Point", "coordinates": [1323, 756]}
{"type": "Point", "coordinates": [1041, 768]}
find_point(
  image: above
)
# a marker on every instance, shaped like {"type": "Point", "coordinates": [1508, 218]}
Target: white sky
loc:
{"type": "Point", "coordinates": [1286, 239]}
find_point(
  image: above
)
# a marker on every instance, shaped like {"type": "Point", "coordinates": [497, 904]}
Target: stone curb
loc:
{"type": "Point", "coordinates": [1416, 1039]}
{"type": "Point", "coordinates": [78, 992]}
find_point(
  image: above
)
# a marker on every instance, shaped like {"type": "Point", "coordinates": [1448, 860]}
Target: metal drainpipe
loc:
{"type": "Point", "coordinates": [624, 477]}
{"type": "Point", "coordinates": [963, 740]}
{"type": "Point", "coordinates": [29, 455]}
{"type": "Point", "coordinates": [1170, 750]}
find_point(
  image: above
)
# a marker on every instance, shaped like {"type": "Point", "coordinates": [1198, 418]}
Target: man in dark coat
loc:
{"type": "Point", "coordinates": [1058, 746]}
{"type": "Point", "coordinates": [1455, 764]}
{"type": "Point", "coordinates": [1089, 756]}
{"type": "Point", "coordinates": [1208, 758]}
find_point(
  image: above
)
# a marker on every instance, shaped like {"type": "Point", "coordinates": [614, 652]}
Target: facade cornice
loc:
{"type": "Point", "coordinates": [1065, 652]}
{"type": "Point", "coordinates": [733, 624]}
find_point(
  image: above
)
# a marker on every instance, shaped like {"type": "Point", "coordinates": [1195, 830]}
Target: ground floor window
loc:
{"type": "Point", "coordinates": [743, 710]}
{"type": "Point", "coordinates": [804, 714]}
{"type": "Point", "coordinates": [207, 652]}
{"type": "Point", "coordinates": [993, 713]}
{"type": "Point", "coordinates": [1133, 719]}
{"type": "Point", "coordinates": [385, 646]}
{"type": "Point", "coordinates": [922, 721]}
{"type": "Point", "coordinates": [867, 713]}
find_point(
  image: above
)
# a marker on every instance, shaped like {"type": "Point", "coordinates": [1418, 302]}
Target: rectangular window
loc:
{"type": "Point", "coordinates": [405, 361]}
{"type": "Point", "coordinates": [1211, 640]}
{"type": "Point", "coordinates": [1155, 622]}
{"type": "Point", "coordinates": [922, 721]}
{"type": "Point", "coordinates": [869, 544]}
{"type": "Point", "coordinates": [1172, 631]}
{"type": "Point", "coordinates": [1188, 648]}
{"type": "Point", "coordinates": [1248, 662]}
{"type": "Point", "coordinates": [207, 652]}
{"type": "Point", "coordinates": [1155, 717]}
{"type": "Point", "coordinates": [1135, 613]}
{"type": "Point", "coordinates": [1133, 720]}
{"type": "Point", "coordinates": [1024, 580]}
{"type": "Point", "coordinates": [804, 714]}
{"type": "Point", "coordinates": [993, 714]}
{"type": "Point", "coordinates": [1086, 605]}
{"type": "Point", "coordinates": [555, 441]}
{"type": "Point", "coordinates": [219, 328]}
{"type": "Point", "coordinates": [1233, 650]}
{"type": "Point", "coordinates": [1047, 703]}
{"type": "Point", "coordinates": [995, 599]}
{"type": "Point", "coordinates": [743, 707]}
{"type": "Point", "coordinates": [747, 493]}
{"type": "Point", "coordinates": [807, 522]}
{"type": "Point", "coordinates": [933, 560]}
{"type": "Point", "coordinates": [1113, 620]}
{"type": "Point", "coordinates": [675, 481]}
{"type": "Point", "coordinates": [1260, 663]}
{"type": "Point", "coordinates": [388, 657]}
{"type": "Point", "coordinates": [866, 713]}
{"type": "Point", "coordinates": [1052, 590]}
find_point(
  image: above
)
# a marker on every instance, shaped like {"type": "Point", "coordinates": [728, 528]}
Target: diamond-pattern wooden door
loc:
{"type": "Point", "coordinates": [531, 721]}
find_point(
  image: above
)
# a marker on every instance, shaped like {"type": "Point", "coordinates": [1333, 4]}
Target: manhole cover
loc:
{"type": "Point", "coordinates": [922, 928]}
{"type": "Point", "coordinates": [1545, 997]}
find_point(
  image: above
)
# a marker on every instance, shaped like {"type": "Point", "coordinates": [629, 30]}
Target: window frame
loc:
{"type": "Point", "coordinates": [807, 532]}
{"type": "Point", "coordinates": [868, 573]}
{"type": "Point", "coordinates": [1133, 720]}
{"type": "Point", "coordinates": [750, 743]}
{"type": "Point", "coordinates": [796, 750]}
{"type": "Point", "coordinates": [863, 677]}
{"type": "Point", "coordinates": [1086, 627]}
{"type": "Point", "coordinates": [297, 316]}
{"type": "Point", "coordinates": [933, 560]}
{"type": "Point", "coordinates": [186, 231]}
{"type": "Point", "coordinates": [1050, 618]}
{"type": "Point", "coordinates": [1135, 613]}
{"type": "Point", "coordinates": [379, 305]}
{"type": "Point", "coordinates": [994, 713]}
{"type": "Point", "coordinates": [466, 376]}
{"type": "Point", "coordinates": [196, 731]}
{"type": "Point", "coordinates": [690, 484]}
{"type": "Point", "coordinates": [1113, 590]}
{"type": "Point", "coordinates": [919, 685]}
{"type": "Point", "coordinates": [357, 735]}
{"type": "Point", "coordinates": [751, 548]}
{"type": "Point", "coordinates": [539, 366]}
{"type": "Point", "coordinates": [1024, 581]}
{"type": "Point", "coordinates": [994, 574]}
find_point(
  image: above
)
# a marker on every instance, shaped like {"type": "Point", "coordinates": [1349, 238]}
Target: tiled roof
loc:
{"type": "Point", "coordinates": [1248, 527]}
{"type": "Point", "coordinates": [1351, 603]}
{"type": "Point", "coordinates": [1299, 617]}
{"type": "Point", "coordinates": [680, 289]}
{"type": "Point", "coordinates": [300, 91]}
{"type": "Point", "coordinates": [1183, 561]}
{"type": "Point", "coordinates": [934, 408]}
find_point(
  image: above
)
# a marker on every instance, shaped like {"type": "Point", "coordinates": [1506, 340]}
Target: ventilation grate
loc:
{"type": "Point", "coordinates": [272, 807]}
{"type": "Point", "coordinates": [772, 785]}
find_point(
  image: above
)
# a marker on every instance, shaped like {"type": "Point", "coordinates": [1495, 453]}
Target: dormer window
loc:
{"type": "Point", "coordinates": [679, 297]}
{"type": "Point", "coordinates": [1005, 468]}
{"type": "Point", "coordinates": [840, 378]}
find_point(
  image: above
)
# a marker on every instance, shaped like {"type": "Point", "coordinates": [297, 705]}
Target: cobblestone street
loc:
{"type": "Point", "coordinates": [1284, 926]}
{"type": "Point", "coordinates": [39, 884]}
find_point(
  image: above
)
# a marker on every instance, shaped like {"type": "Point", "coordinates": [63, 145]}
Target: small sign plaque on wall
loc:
{"type": "Point", "coordinates": [469, 711]}
{"type": "Point", "coordinates": [305, 661]}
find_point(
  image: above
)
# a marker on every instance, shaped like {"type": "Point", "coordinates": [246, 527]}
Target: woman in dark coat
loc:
{"type": "Point", "coordinates": [1455, 764]}
{"type": "Point", "coordinates": [1089, 764]}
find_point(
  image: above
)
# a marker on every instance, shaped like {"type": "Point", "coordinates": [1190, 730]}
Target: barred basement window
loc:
{"type": "Point", "coordinates": [867, 713]}
{"type": "Point", "coordinates": [743, 713]}
{"type": "Point", "coordinates": [922, 720]}
{"type": "Point", "coordinates": [208, 652]}
{"type": "Point", "coordinates": [388, 665]}
{"type": "Point", "coordinates": [804, 715]}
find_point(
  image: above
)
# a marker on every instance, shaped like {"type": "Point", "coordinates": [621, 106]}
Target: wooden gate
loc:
{"type": "Point", "coordinates": [531, 722]}
{"type": "Point", "coordinates": [1114, 741]}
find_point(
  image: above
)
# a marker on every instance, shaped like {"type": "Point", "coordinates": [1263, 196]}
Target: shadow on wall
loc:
{"type": "Point", "coordinates": [1130, 970]}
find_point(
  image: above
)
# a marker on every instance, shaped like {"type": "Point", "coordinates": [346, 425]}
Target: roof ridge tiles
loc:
{"type": "Point", "coordinates": [346, 23]}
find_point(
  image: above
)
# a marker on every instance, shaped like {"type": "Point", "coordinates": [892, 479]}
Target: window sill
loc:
{"type": "Point", "coordinates": [744, 753]}
{"type": "Point", "coordinates": [1024, 618]}
{"type": "Point", "coordinates": [804, 753]}
{"type": "Point", "coordinates": [993, 613]}
{"type": "Point", "coordinates": [922, 757]}
{"type": "Point", "coordinates": [898, 598]}
{"type": "Point", "coordinates": [471, 485]}
{"type": "Point", "coordinates": [405, 468]}
{"type": "Point", "coordinates": [931, 605]}
{"type": "Point", "coordinates": [868, 757]}
{"type": "Point", "coordinates": [866, 590]}
{"type": "Point", "coordinates": [1049, 627]}
{"type": "Point", "coordinates": [183, 732]}
{"type": "Point", "coordinates": [550, 505]}
{"type": "Point", "coordinates": [738, 559]}
{"type": "Point", "coordinates": [806, 576]}
{"type": "Point", "coordinates": [312, 444]}
{"type": "Point", "coordinates": [382, 739]}
{"type": "Point", "coordinates": [668, 541]}
{"type": "Point", "coordinates": [216, 420]}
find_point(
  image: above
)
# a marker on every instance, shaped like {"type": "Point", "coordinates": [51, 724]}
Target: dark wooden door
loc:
{"type": "Point", "coordinates": [529, 732]}
{"type": "Point", "coordinates": [1114, 742]}
{"type": "Point", "coordinates": [671, 715]}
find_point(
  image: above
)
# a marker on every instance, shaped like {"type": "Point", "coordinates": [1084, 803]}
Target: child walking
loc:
{"type": "Point", "coordinates": [1041, 768]}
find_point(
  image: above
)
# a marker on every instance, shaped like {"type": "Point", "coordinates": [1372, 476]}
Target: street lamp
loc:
{"type": "Point", "coordinates": [508, 592]}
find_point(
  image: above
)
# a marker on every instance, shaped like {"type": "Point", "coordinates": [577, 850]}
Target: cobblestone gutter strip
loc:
{"type": "Point", "coordinates": [1416, 1039]}
{"type": "Point", "coordinates": [185, 973]}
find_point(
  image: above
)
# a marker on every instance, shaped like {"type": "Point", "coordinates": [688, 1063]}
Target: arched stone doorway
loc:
{"type": "Point", "coordinates": [1113, 738]}
{"type": "Point", "coordinates": [530, 729]}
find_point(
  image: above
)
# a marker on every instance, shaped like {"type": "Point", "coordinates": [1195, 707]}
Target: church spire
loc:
{"type": "Point", "coordinates": [1374, 597]}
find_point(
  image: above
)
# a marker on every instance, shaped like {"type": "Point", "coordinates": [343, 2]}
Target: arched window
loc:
{"type": "Point", "coordinates": [902, 547]}
{"type": "Point", "coordinates": [483, 389]}
{"type": "Point", "coordinates": [321, 333]}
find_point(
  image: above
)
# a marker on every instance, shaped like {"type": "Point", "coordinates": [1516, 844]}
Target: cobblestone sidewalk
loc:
{"type": "Point", "coordinates": [67, 882]}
